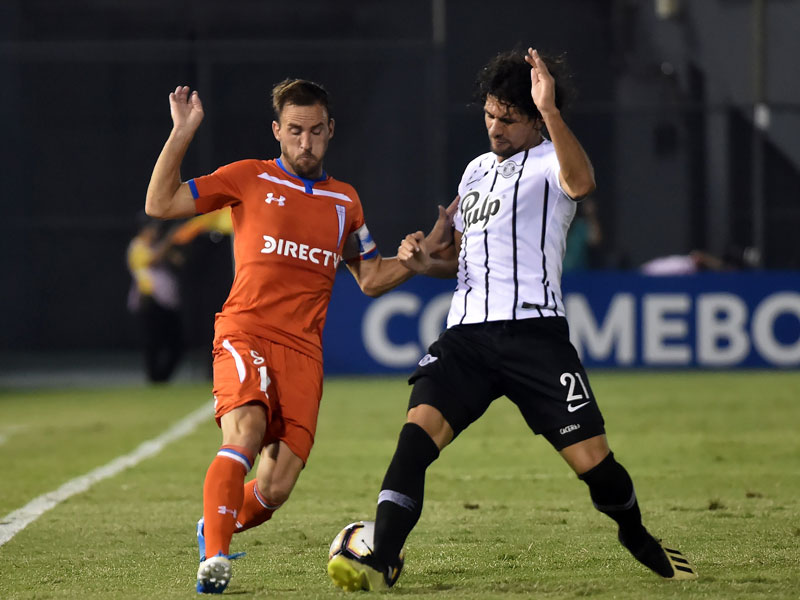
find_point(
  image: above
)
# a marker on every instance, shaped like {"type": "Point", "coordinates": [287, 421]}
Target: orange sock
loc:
{"type": "Point", "coordinates": [222, 496]}
{"type": "Point", "coordinates": [255, 509]}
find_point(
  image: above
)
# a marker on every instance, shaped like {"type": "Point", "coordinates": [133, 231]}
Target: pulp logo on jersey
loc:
{"type": "Point", "coordinates": [270, 199]}
{"type": "Point", "coordinates": [475, 213]}
{"type": "Point", "coordinates": [318, 256]}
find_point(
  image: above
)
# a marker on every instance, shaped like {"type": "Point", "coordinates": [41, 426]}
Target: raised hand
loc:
{"type": "Point", "coordinates": [543, 89]}
{"type": "Point", "coordinates": [441, 235]}
{"type": "Point", "coordinates": [186, 109]}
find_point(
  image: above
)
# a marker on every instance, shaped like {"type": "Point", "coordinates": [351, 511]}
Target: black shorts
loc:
{"type": "Point", "coordinates": [531, 361]}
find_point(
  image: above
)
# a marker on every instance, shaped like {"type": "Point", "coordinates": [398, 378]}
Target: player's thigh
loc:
{"type": "Point", "coordinates": [245, 426]}
{"type": "Point", "coordinates": [543, 375]}
{"type": "Point", "coordinates": [295, 388]}
{"type": "Point", "coordinates": [456, 378]}
{"type": "Point", "coordinates": [239, 374]}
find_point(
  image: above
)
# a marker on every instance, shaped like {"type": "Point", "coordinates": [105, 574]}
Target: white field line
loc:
{"type": "Point", "coordinates": [16, 521]}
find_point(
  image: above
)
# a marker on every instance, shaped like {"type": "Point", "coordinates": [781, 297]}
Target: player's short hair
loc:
{"type": "Point", "coordinates": [507, 77]}
{"type": "Point", "coordinates": [299, 92]}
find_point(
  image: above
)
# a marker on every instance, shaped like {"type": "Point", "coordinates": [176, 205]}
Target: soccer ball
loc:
{"type": "Point", "coordinates": [356, 541]}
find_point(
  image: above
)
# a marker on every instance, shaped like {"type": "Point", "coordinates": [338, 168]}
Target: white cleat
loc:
{"type": "Point", "coordinates": [213, 575]}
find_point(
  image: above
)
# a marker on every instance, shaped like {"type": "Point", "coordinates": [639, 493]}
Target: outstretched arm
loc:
{"type": "Point", "coordinates": [577, 173]}
{"type": "Point", "coordinates": [378, 275]}
{"type": "Point", "coordinates": [167, 197]}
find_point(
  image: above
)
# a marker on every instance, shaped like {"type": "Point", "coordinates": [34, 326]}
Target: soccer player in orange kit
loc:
{"type": "Point", "coordinates": [293, 224]}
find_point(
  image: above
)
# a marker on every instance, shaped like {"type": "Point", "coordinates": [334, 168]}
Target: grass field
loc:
{"type": "Point", "coordinates": [715, 458]}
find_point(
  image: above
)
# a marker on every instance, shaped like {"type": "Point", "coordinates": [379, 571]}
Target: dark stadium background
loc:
{"type": "Point", "coordinates": [665, 105]}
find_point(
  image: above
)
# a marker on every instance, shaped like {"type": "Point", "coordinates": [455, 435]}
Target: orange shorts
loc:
{"type": "Point", "coordinates": [288, 383]}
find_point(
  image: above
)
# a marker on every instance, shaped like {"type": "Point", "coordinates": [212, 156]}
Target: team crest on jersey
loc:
{"type": "Point", "coordinates": [508, 168]}
{"type": "Point", "coordinates": [477, 211]}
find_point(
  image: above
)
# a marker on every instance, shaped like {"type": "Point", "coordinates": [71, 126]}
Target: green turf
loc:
{"type": "Point", "coordinates": [715, 458]}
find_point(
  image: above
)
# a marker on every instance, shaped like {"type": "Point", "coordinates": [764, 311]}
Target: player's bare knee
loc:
{"type": "Point", "coordinates": [432, 422]}
{"type": "Point", "coordinates": [275, 492]}
{"type": "Point", "coordinates": [587, 454]}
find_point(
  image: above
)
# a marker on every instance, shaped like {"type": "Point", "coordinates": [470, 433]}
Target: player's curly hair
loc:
{"type": "Point", "coordinates": [299, 92]}
{"type": "Point", "coordinates": [507, 77]}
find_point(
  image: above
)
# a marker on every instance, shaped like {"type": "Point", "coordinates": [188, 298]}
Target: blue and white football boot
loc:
{"type": "Point", "coordinates": [214, 574]}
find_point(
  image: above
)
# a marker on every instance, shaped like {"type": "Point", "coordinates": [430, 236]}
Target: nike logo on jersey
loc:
{"type": "Point", "coordinates": [271, 198]}
{"type": "Point", "coordinates": [572, 408]}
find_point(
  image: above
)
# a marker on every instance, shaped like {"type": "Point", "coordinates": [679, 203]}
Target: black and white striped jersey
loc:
{"type": "Point", "coordinates": [514, 218]}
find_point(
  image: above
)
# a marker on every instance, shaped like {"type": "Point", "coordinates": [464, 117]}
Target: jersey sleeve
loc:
{"type": "Point", "coordinates": [363, 246]}
{"type": "Point", "coordinates": [359, 244]}
{"type": "Point", "coordinates": [458, 220]}
{"type": "Point", "coordinates": [552, 173]}
{"type": "Point", "coordinates": [219, 189]}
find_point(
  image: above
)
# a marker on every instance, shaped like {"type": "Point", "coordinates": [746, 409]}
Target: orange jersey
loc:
{"type": "Point", "coordinates": [289, 236]}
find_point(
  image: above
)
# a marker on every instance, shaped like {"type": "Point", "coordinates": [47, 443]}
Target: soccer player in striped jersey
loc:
{"type": "Point", "coordinates": [506, 331]}
{"type": "Point", "coordinates": [292, 224]}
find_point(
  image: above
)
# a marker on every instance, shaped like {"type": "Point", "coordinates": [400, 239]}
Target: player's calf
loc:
{"type": "Point", "coordinates": [613, 494]}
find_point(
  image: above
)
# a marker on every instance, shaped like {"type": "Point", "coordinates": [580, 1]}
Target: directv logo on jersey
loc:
{"type": "Point", "coordinates": [474, 214]}
{"type": "Point", "coordinates": [300, 251]}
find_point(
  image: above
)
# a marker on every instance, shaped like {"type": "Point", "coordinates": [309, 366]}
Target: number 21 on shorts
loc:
{"type": "Point", "coordinates": [569, 380]}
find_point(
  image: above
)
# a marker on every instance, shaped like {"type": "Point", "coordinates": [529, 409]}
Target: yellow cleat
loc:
{"type": "Point", "coordinates": [681, 567]}
{"type": "Point", "coordinates": [352, 575]}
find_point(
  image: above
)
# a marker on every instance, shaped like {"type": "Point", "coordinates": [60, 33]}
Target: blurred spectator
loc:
{"type": "Point", "coordinates": [155, 298]}
{"type": "Point", "coordinates": [217, 223]}
{"type": "Point", "coordinates": [154, 256]}
{"type": "Point", "coordinates": [584, 239]}
{"type": "Point", "coordinates": [734, 259]}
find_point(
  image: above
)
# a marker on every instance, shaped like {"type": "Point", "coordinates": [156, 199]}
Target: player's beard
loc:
{"type": "Point", "coordinates": [309, 167]}
{"type": "Point", "coordinates": [505, 150]}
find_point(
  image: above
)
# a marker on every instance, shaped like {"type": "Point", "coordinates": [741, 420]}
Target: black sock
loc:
{"type": "Point", "coordinates": [402, 491]}
{"type": "Point", "coordinates": [612, 493]}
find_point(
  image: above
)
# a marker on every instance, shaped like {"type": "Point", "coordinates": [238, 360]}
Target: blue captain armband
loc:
{"type": "Point", "coordinates": [366, 245]}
